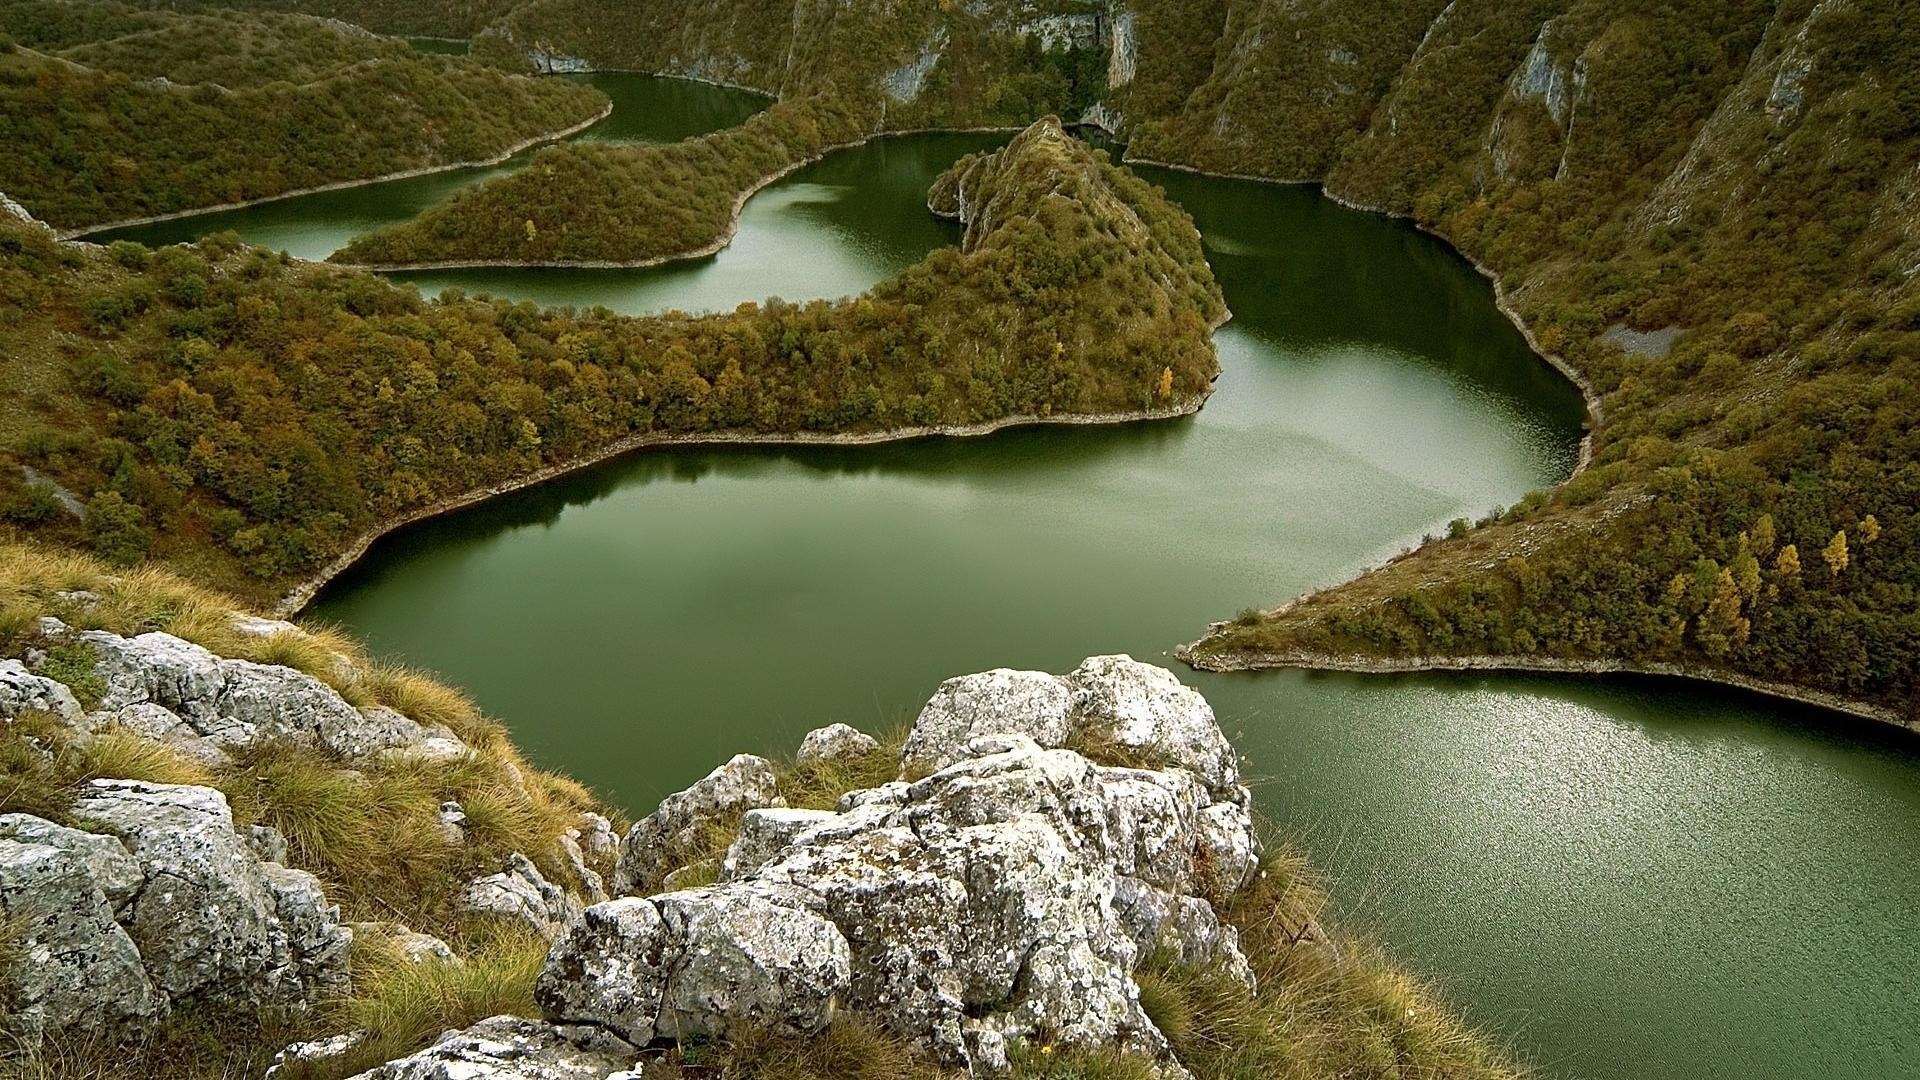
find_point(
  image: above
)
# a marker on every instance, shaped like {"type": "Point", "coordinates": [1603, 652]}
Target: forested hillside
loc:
{"type": "Point", "coordinates": [245, 417]}
{"type": "Point", "coordinates": [108, 112]}
{"type": "Point", "coordinates": [1742, 176]}
{"type": "Point", "coordinates": [1707, 210]}
{"type": "Point", "coordinates": [588, 202]}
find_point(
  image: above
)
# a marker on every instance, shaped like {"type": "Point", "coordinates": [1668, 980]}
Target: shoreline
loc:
{"type": "Point", "coordinates": [81, 234]}
{"type": "Point", "coordinates": [714, 247]}
{"type": "Point", "coordinates": [1189, 654]}
{"type": "Point", "coordinates": [295, 600]}
{"type": "Point", "coordinates": [1371, 665]}
{"type": "Point", "coordinates": [1502, 299]}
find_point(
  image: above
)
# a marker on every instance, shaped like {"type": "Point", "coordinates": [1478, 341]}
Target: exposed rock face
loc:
{"type": "Point", "coordinates": [653, 846]}
{"type": "Point", "coordinates": [508, 1048]}
{"type": "Point", "coordinates": [1001, 701]}
{"type": "Point", "coordinates": [1008, 894]}
{"type": "Point", "coordinates": [163, 906]}
{"type": "Point", "coordinates": [173, 689]}
{"type": "Point", "coordinates": [835, 742]}
{"type": "Point", "coordinates": [214, 921]}
{"type": "Point", "coordinates": [1107, 699]}
{"type": "Point", "coordinates": [520, 894]}
{"type": "Point", "coordinates": [685, 965]}
{"type": "Point", "coordinates": [70, 967]}
{"type": "Point", "coordinates": [21, 691]}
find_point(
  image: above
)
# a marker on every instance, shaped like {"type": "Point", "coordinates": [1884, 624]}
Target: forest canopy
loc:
{"type": "Point", "coordinates": [110, 112]}
{"type": "Point", "coordinates": [246, 417]}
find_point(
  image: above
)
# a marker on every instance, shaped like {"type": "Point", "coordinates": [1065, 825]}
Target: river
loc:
{"type": "Point", "coordinates": [1629, 879]}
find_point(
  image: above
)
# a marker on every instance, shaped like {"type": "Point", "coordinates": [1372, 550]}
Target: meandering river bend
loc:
{"type": "Point", "coordinates": [1628, 879]}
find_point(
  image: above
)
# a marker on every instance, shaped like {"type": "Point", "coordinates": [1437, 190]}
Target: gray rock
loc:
{"type": "Point", "coordinates": [453, 823]}
{"type": "Point", "coordinates": [764, 834]}
{"type": "Point", "coordinates": [268, 843]}
{"type": "Point", "coordinates": [235, 703]}
{"type": "Point", "coordinates": [213, 921]}
{"type": "Point", "coordinates": [22, 692]}
{"type": "Point", "coordinates": [597, 836]}
{"type": "Point", "coordinates": [1001, 701]}
{"type": "Point", "coordinates": [1008, 895]}
{"type": "Point", "coordinates": [520, 894]}
{"type": "Point", "coordinates": [255, 626]}
{"type": "Point", "coordinates": [114, 871]}
{"type": "Point", "coordinates": [656, 844]}
{"type": "Point", "coordinates": [68, 967]}
{"type": "Point", "coordinates": [592, 887]}
{"type": "Point", "coordinates": [414, 947]}
{"type": "Point", "coordinates": [507, 1048]}
{"type": "Point", "coordinates": [1120, 700]}
{"type": "Point", "coordinates": [835, 742]}
{"type": "Point", "coordinates": [1187, 926]}
{"type": "Point", "coordinates": [317, 1053]}
{"type": "Point", "coordinates": [757, 955]}
{"type": "Point", "coordinates": [160, 724]}
{"type": "Point", "coordinates": [687, 965]}
{"type": "Point", "coordinates": [609, 970]}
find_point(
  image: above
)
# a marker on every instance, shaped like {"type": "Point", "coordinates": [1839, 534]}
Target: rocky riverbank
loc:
{"type": "Point", "coordinates": [1024, 878]}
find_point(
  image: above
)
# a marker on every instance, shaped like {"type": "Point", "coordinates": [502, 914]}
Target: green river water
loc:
{"type": "Point", "coordinates": [1627, 879]}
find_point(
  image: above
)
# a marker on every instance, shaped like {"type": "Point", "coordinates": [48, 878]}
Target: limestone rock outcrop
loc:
{"type": "Point", "coordinates": [509, 1048]}
{"type": "Point", "coordinates": [521, 894]}
{"type": "Point", "coordinates": [1007, 893]}
{"type": "Point", "coordinates": [835, 742]}
{"type": "Point", "coordinates": [176, 691]}
{"type": "Point", "coordinates": [655, 846]}
{"type": "Point", "coordinates": [155, 904]}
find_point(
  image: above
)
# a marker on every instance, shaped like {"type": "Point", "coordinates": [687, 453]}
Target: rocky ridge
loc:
{"type": "Point", "coordinates": [147, 899]}
{"type": "Point", "coordinates": [1003, 890]}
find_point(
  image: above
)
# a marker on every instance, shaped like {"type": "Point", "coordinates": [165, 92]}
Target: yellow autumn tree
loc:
{"type": "Point", "coordinates": [1788, 561]}
{"type": "Point", "coordinates": [1722, 626]}
{"type": "Point", "coordinates": [1165, 389]}
{"type": "Point", "coordinates": [1836, 553]}
{"type": "Point", "coordinates": [1763, 536]}
{"type": "Point", "coordinates": [531, 231]}
{"type": "Point", "coordinates": [1869, 529]}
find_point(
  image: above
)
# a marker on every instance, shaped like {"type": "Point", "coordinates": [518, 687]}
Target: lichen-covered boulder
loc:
{"type": "Point", "coordinates": [213, 921]}
{"type": "Point", "coordinates": [115, 872]}
{"type": "Point", "coordinates": [764, 834]}
{"type": "Point", "coordinates": [181, 693]}
{"type": "Point", "coordinates": [656, 844]}
{"type": "Point", "coordinates": [21, 692]}
{"type": "Point", "coordinates": [521, 894]}
{"type": "Point", "coordinates": [835, 742]}
{"type": "Point", "coordinates": [760, 955]}
{"type": "Point", "coordinates": [686, 965]}
{"type": "Point", "coordinates": [997, 702]}
{"type": "Point", "coordinates": [1120, 700]}
{"type": "Point", "coordinates": [69, 967]}
{"type": "Point", "coordinates": [509, 1048]}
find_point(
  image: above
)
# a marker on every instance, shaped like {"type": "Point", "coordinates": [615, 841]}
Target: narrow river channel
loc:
{"type": "Point", "coordinates": [1628, 879]}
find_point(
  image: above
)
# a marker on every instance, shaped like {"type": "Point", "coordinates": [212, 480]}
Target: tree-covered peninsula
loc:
{"type": "Point", "coordinates": [247, 419]}
{"type": "Point", "coordinates": [1703, 212]}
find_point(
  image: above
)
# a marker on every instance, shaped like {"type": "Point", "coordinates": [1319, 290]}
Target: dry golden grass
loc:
{"type": "Point", "coordinates": [1327, 1006]}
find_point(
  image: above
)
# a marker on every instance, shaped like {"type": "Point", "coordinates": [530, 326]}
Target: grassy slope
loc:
{"type": "Point", "coordinates": [1330, 1005]}
{"type": "Point", "coordinates": [246, 418]}
{"type": "Point", "coordinates": [110, 113]}
{"type": "Point", "coordinates": [368, 829]}
{"type": "Point", "coordinates": [1681, 188]}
